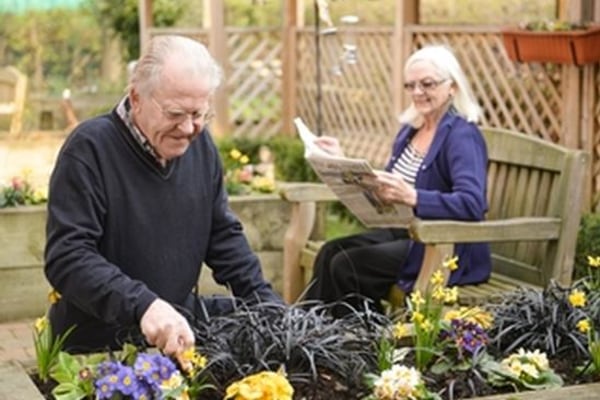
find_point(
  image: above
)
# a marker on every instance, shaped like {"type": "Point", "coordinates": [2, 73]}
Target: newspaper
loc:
{"type": "Point", "coordinates": [344, 177]}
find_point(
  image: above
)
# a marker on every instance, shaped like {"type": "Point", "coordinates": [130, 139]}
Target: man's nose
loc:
{"type": "Point", "coordinates": [187, 125]}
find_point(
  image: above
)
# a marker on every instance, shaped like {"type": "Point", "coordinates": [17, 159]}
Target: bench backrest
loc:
{"type": "Point", "coordinates": [530, 177]}
{"type": "Point", "coordinates": [13, 86]}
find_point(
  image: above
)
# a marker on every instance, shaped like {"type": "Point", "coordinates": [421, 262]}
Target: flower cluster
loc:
{"type": "Point", "coordinates": [551, 26]}
{"type": "Point", "coordinates": [151, 376]}
{"type": "Point", "coordinates": [400, 383]}
{"type": "Point", "coordinates": [241, 177]}
{"type": "Point", "coordinates": [426, 314]}
{"type": "Point", "coordinates": [20, 192]}
{"type": "Point", "coordinates": [266, 385]}
{"type": "Point", "coordinates": [527, 369]}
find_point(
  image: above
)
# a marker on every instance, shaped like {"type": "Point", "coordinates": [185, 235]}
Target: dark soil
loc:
{"type": "Point", "coordinates": [453, 385]}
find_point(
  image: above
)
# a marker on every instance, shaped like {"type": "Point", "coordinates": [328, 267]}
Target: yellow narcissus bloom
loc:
{"type": "Point", "coordinates": [417, 299]}
{"type": "Point", "coordinates": [401, 330]}
{"type": "Point", "coordinates": [451, 263]}
{"type": "Point", "coordinates": [191, 361]}
{"type": "Point", "coordinates": [235, 154]}
{"type": "Point", "coordinates": [437, 278]}
{"type": "Point", "coordinates": [41, 324]}
{"type": "Point", "coordinates": [474, 315]}
{"type": "Point", "coordinates": [577, 298]}
{"type": "Point", "coordinates": [244, 159]}
{"type": "Point", "coordinates": [583, 326]}
{"type": "Point", "coordinates": [266, 385]}
{"type": "Point", "coordinates": [53, 296]}
{"type": "Point", "coordinates": [439, 293]}
{"type": "Point", "coordinates": [593, 262]}
{"type": "Point", "coordinates": [417, 317]}
{"type": "Point", "coordinates": [451, 295]}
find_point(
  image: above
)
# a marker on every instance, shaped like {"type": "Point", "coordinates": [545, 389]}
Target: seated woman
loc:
{"type": "Point", "coordinates": [438, 166]}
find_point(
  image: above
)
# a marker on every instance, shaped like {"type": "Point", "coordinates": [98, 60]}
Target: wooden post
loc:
{"type": "Point", "coordinates": [218, 48]}
{"type": "Point", "coordinates": [407, 12]}
{"type": "Point", "coordinates": [145, 21]}
{"type": "Point", "coordinates": [289, 62]}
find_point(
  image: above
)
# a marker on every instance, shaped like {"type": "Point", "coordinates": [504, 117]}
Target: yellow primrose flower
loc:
{"type": "Point", "coordinates": [577, 298]}
{"type": "Point", "coordinates": [451, 263]}
{"type": "Point", "coordinates": [53, 296]}
{"type": "Point", "coordinates": [235, 154]}
{"type": "Point", "coordinates": [593, 262]}
{"type": "Point", "coordinates": [584, 326]}
{"type": "Point", "coordinates": [266, 385]}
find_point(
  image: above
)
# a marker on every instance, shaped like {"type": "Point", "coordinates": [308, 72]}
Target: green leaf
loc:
{"type": "Point", "coordinates": [68, 391]}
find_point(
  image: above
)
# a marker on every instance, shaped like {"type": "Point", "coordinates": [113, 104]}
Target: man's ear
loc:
{"type": "Point", "coordinates": [134, 99]}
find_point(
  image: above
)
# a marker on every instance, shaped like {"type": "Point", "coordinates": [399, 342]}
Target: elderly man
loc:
{"type": "Point", "coordinates": [137, 205]}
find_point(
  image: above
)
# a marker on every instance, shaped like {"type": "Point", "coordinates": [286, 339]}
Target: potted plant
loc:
{"type": "Point", "coordinates": [556, 42]}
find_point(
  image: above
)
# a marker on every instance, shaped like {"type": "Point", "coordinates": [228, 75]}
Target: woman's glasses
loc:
{"type": "Point", "coordinates": [424, 85]}
{"type": "Point", "coordinates": [179, 116]}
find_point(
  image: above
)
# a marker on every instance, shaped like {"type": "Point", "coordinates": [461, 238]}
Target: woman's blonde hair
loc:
{"type": "Point", "coordinates": [445, 63]}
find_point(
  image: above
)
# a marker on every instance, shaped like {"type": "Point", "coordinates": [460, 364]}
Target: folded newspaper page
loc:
{"type": "Point", "coordinates": [344, 176]}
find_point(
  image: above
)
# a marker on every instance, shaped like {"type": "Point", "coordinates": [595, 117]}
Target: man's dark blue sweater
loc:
{"type": "Point", "coordinates": [123, 230]}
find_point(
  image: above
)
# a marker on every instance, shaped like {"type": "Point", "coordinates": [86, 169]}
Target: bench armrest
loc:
{"type": "Point", "coordinates": [511, 229]}
{"type": "Point", "coordinates": [305, 192]}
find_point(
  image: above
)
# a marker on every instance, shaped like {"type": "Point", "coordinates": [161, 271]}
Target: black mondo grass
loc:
{"type": "Point", "coordinates": [537, 319]}
{"type": "Point", "coordinates": [302, 339]}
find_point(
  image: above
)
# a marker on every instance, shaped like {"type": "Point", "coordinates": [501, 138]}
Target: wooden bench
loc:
{"type": "Point", "coordinates": [535, 191]}
{"type": "Point", "coordinates": [13, 86]}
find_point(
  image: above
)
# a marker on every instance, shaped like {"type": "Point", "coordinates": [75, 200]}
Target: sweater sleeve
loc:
{"type": "Point", "coordinates": [73, 263]}
{"type": "Point", "coordinates": [229, 254]}
{"type": "Point", "coordinates": [456, 181]}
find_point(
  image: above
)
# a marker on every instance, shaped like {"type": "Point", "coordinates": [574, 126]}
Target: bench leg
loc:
{"type": "Point", "coordinates": [432, 260]}
{"type": "Point", "coordinates": [296, 237]}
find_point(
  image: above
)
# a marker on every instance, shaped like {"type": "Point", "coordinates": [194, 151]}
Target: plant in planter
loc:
{"type": "Point", "coordinates": [553, 41]}
{"type": "Point", "coordinates": [20, 192]}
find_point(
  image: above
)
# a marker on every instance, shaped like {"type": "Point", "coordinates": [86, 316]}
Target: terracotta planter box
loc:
{"type": "Point", "coordinates": [563, 47]}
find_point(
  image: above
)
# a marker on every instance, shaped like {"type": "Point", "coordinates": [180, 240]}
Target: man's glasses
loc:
{"type": "Point", "coordinates": [179, 116]}
{"type": "Point", "coordinates": [424, 85]}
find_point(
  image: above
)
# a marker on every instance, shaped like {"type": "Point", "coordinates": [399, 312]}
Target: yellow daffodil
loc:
{"type": "Point", "coordinates": [437, 278]}
{"type": "Point", "coordinates": [417, 299]}
{"type": "Point", "coordinates": [235, 154]}
{"type": "Point", "coordinates": [401, 330]}
{"type": "Point", "coordinates": [577, 298]}
{"type": "Point", "coordinates": [53, 296]}
{"type": "Point", "coordinates": [244, 159]}
{"type": "Point", "coordinates": [451, 295]}
{"type": "Point", "coordinates": [583, 326]}
{"type": "Point", "coordinates": [41, 324]}
{"type": "Point", "coordinates": [451, 263]}
{"type": "Point", "coordinates": [593, 262]}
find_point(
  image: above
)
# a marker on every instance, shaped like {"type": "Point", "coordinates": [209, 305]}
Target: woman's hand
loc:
{"type": "Point", "coordinates": [391, 188]}
{"type": "Point", "coordinates": [330, 144]}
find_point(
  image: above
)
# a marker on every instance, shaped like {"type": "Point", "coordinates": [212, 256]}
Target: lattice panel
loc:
{"type": "Point", "coordinates": [523, 97]}
{"type": "Point", "coordinates": [356, 97]}
{"type": "Point", "coordinates": [254, 82]}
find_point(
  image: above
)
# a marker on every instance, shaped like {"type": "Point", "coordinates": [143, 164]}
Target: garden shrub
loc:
{"type": "Point", "coordinates": [532, 319]}
{"type": "Point", "coordinates": [588, 243]}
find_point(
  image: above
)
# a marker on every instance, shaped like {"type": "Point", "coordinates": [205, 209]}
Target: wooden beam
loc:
{"type": "Point", "coordinates": [407, 12]}
{"type": "Point", "coordinates": [218, 48]}
{"type": "Point", "coordinates": [289, 62]}
{"type": "Point", "coordinates": [145, 22]}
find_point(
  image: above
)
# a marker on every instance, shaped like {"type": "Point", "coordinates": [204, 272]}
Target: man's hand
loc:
{"type": "Point", "coordinates": [166, 329]}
